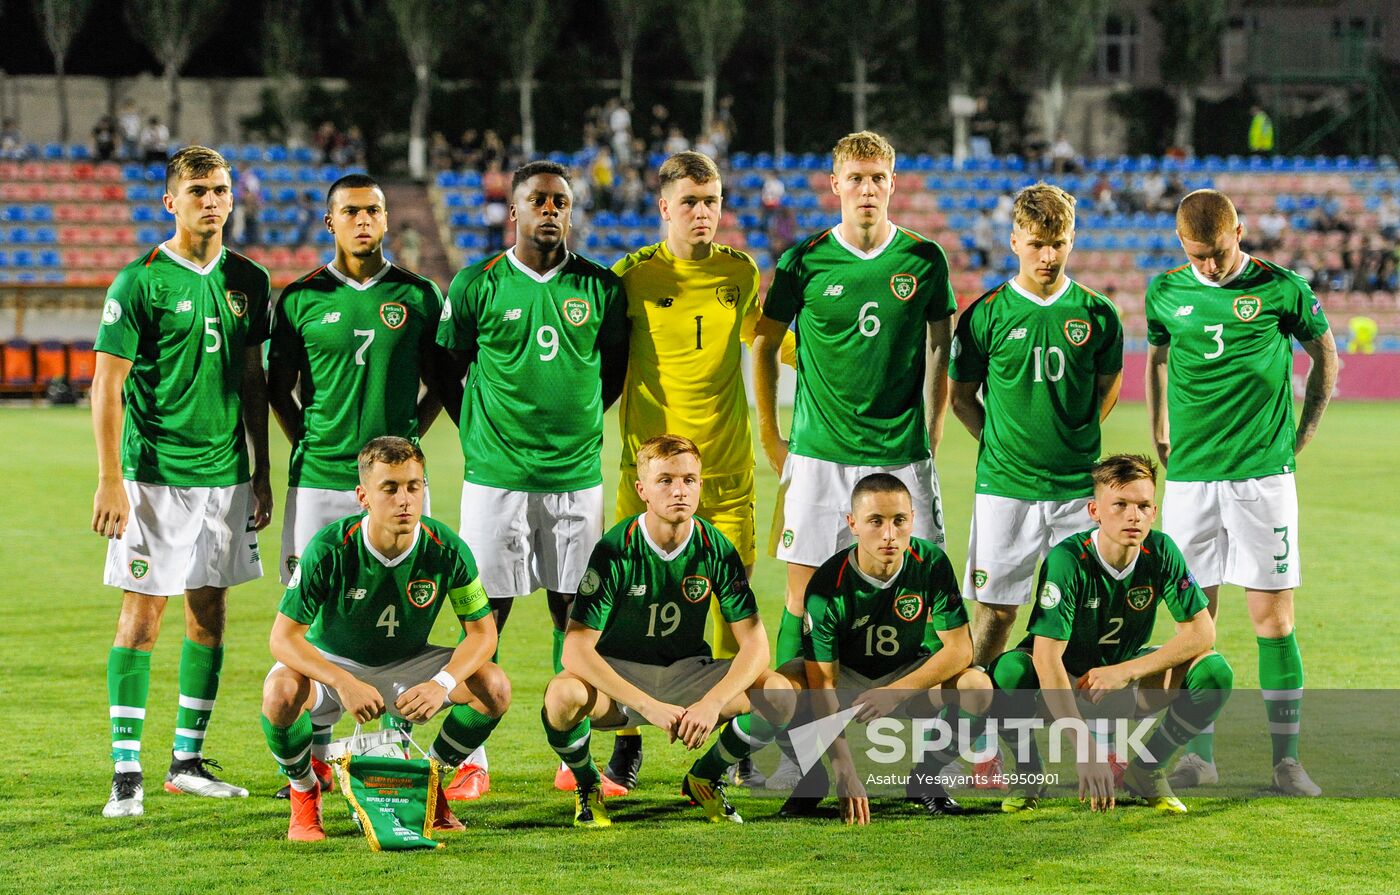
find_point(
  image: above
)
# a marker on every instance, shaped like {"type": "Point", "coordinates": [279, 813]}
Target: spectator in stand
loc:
{"type": "Point", "coordinates": [675, 142]}
{"type": "Point", "coordinates": [326, 140]}
{"type": "Point", "coordinates": [247, 207]}
{"type": "Point", "coordinates": [1152, 186]}
{"type": "Point", "coordinates": [620, 128]}
{"type": "Point", "coordinates": [104, 139]}
{"type": "Point", "coordinates": [496, 217]}
{"type": "Point", "coordinates": [983, 241]}
{"type": "Point", "coordinates": [515, 153]}
{"type": "Point", "coordinates": [1388, 215]}
{"type": "Point", "coordinates": [467, 153]}
{"type": "Point", "coordinates": [11, 140]}
{"type": "Point", "coordinates": [1270, 230]}
{"type": "Point", "coordinates": [304, 223]}
{"type": "Point", "coordinates": [1036, 150]}
{"type": "Point", "coordinates": [1062, 156]}
{"type": "Point", "coordinates": [633, 192]}
{"type": "Point", "coordinates": [155, 141]}
{"type": "Point", "coordinates": [493, 150]}
{"type": "Point", "coordinates": [604, 176]}
{"type": "Point", "coordinates": [441, 156]}
{"type": "Point", "coordinates": [1261, 131]}
{"type": "Point", "coordinates": [773, 191]}
{"type": "Point", "coordinates": [351, 150]}
{"type": "Point", "coordinates": [658, 129]}
{"type": "Point", "coordinates": [1328, 217]}
{"type": "Point", "coordinates": [782, 230]}
{"type": "Point", "coordinates": [1001, 215]}
{"type": "Point", "coordinates": [1176, 189]}
{"type": "Point", "coordinates": [1102, 194]}
{"type": "Point", "coordinates": [129, 126]}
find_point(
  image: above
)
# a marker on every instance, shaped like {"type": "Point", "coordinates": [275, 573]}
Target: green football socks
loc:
{"type": "Point", "coordinates": [199, 685]}
{"type": "Point", "coordinates": [572, 748]}
{"type": "Point", "coordinates": [1281, 679]}
{"type": "Point", "coordinates": [291, 746]}
{"type": "Point", "coordinates": [128, 682]}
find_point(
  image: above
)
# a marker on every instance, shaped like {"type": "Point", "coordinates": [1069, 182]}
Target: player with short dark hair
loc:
{"type": "Point", "coordinates": [635, 651]}
{"type": "Point", "coordinates": [351, 635]}
{"type": "Point", "coordinates": [691, 302]}
{"type": "Point", "coordinates": [885, 617]}
{"type": "Point", "coordinates": [1220, 398]}
{"type": "Point", "coordinates": [180, 346]}
{"type": "Point", "coordinates": [1098, 595]}
{"type": "Point", "coordinates": [542, 332]}
{"type": "Point", "coordinates": [873, 307]}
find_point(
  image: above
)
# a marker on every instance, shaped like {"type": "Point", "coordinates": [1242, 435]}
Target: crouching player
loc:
{"type": "Point", "coordinates": [351, 635]}
{"type": "Point", "coordinates": [885, 617]}
{"type": "Point", "coordinates": [635, 650]}
{"type": "Point", "coordinates": [1097, 597]}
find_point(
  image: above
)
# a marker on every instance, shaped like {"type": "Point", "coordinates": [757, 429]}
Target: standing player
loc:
{"type": "Point", "coordinates": [885, 617]}
{"type": "Point", "coordinates": [350, 343]}
{"type": "Point", "coordinates": [544, 331]}
{"type": "Point", "coordinates": [690, 302]}
{"type": "Point", "coordinates": [1221, 367]}
{"type": "Point", "coordinates": [352, 632]}
{"type": "Point", "coordinates": [636, 651]}
{"type": "Point", "coordinates": [181, 346]}
{"type": "Point", "coordinates": [874, 320]}
{"type": "Point", "coordinates": [1099, 593]}
{"type": "Point", "coordinates": [1046, 355]}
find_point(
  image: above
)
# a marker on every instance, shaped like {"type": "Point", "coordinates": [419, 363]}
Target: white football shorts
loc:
{"type": "Point", "coordinates": [180, 539]}
{"type": "Point", "coordinates": [814, 496]}
{"type": "Point", "coordinates": [524, 541]}
{"type": "Point", "coordinates": [307, 511]}
{"type": "Point", "coordinates": [1243, 532]}
{"type": "Point", "coordinates": [1009, 537]}
{"type": "Point", "coordinates": [390, 680]}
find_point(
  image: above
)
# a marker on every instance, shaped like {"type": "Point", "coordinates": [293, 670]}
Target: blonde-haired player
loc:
{"type": "Point", "coordinates": [690, 302]}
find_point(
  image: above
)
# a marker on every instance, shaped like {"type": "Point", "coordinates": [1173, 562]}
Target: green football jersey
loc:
{"type": "Point", "coordinates": [185, 331]}
{"type": "Point", "coordinates": [873, 627]}
{"type": "Point", "coordinates": [374, 611]}
{"type": "Point", "coordinates": [654, 609]}
{"type": "Point", "coordinates": [1107, 615]}
{"type": "Point", "coordinates": [358, 349]}
{"type": "Point", "coordinates": [532, 416]}
{"type": "Point", "coordinates": [861, 336]}
{"type": "Point", "coordinates": [1230, 368]}
{"type": "Point", "coordinates": [1038, 361]}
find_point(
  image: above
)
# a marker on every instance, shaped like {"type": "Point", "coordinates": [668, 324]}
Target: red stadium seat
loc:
{"type": "Point", "coordinates": [50, 362]}
{"type": "Point", "coordinates": [82, 363]}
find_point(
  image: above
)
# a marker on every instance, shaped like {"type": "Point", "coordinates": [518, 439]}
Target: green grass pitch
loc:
{"type": "Point", "coordinates": [57, 619]}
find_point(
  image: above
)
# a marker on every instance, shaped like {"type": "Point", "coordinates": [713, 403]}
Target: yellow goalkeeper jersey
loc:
{"type": "Point", "coordinates": [683, 368]}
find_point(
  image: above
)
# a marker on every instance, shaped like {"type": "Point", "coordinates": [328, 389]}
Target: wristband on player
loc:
{"type": "Point", "coordinates": [445, 680]}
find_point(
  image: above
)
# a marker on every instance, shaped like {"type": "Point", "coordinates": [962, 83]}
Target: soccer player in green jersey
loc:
{"type": "Point", "coordinates": [635, 651]}
{"type": "Point", "coordinates": [545, 334]}
{"type": "Point", "coordinates": [885, 618]}
{"type": "Point", "coordinates": [1088, 633]}
{"type": "Point", "coordinates": [351, 635]}
{"type": "Point", "coordinates": [874, 308]}
{"type": "Point", "coordinates": [691, 303]}
{"type": "Point", "coordinates": [1220, 398]}
{"type": "Point", "coordinates": [1036, 364]}
{"type": "Point", "coordinates": [180, 346]}
{"type": "Point", "coordinates": [350, 343]}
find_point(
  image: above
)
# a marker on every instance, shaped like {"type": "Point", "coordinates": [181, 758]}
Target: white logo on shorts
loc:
{"type": "Point", "coordinates": [1050, 595]}
{"type": "Point", "coordinates": [111, 312]}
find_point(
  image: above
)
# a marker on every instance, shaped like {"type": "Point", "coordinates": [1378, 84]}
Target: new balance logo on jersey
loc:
{"type": "Point", "coordinates": [185, 305]}
{"type": "Point", "coordinates": [511, 314]}
{"type": "Point", "coordinates": [862, 620]}
{"type": "Point", "coordinates": [834, 290]}
{"type": "Point", "coordinates": [637, 590]}
{"type": "Point", "coordinates": [354, 593]}
{"type": "Point", "coordinates": [1017, 333]}
{"type": "Point", "coordinates": [1185, 310]}
{"type": "Point", "coordinates": [665, 302]}
{"type": "Point", "coordinates": [331, 317]}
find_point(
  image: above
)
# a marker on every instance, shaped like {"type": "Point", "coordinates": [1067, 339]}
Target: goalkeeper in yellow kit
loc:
{"type": "Point", "coordinates": [690, 301]}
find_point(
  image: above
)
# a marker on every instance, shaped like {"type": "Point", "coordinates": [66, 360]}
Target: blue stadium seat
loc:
{"type": "Point", "coordinates": [303, 155]}
{"type": "Point", "coordinates": [757, 239]}
{"type": "Point", "coordinates": [471, 179]}
{"type": "Point", "coordinates": [750, 182]}
{"type": "Point", "coordinates": [22, 258]}
{"type": "Point", "coordinates": [446, 179]}
{"type": "Point", "coordinates": [149, 235]}
{"type": "Point", "coordinates": [795, 181]}
{"type": "Point", "coordinates": [4, 258]}
{"type": "Point", "coordinates": [605, 220]}
{"type": "Point", "coordinates": [80, 152]}
{"type": "Point", "coordinates": [324, 238]}
{"type": "Point", "coordinates": [786, 162]}
{"type": "Point", "coordinates": [50, 258]}
{"type": "Point", "coordinates": [53, 152]}
{"type": "Point", "coordinates": [738, 200]}
{"type": "Point", "coordinates": [12, 213]}
{"type": "Point", "coordinates": [763, 160]}
{"type": "Point", "coordinates": [276, 154]}
{"type": "Point", "coordinates": [307, 174]}
{"type": "Point", "coordinates": [45, 236]}
{"type": "Point", "coordinates": [228, 151]}
{"type": "Point", "coordinates": [813, 162]}
{"type": "Point", "coordinates": [142, 214]}
{"type": "Point", "coordinates": [250, 153]}
{"type": "Point", "coordinates": [460, 219]}
{"type": "Point", "coordinates": [750, 221]}
{"type": "Point", "coordinates": [268, 215]}
{"type": "Point", "coordinates": [630, 219]}
{"type": "Point", "coordinates": [740, 161]}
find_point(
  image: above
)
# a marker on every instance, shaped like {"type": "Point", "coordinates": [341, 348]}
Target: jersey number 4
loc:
{"type": "Point", "coordinates": [388, 620]}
